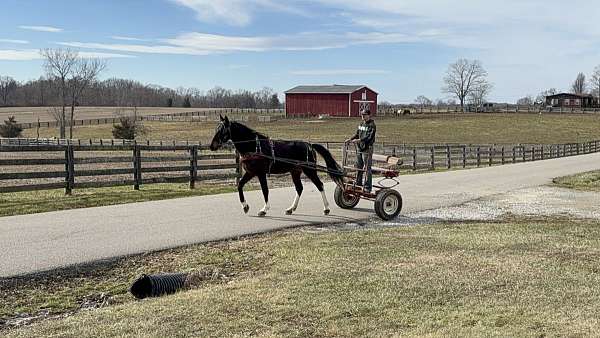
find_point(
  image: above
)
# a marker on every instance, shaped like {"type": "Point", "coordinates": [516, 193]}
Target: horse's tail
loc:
{"type": "Point", "coordinates": [333, 168]}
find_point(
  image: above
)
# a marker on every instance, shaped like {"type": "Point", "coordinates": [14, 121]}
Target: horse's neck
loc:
{"type": "Point", "coordinates": [244, 139]}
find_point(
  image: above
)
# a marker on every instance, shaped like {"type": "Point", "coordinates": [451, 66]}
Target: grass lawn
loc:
{"type": "Point", "coordinates": [588, 181]}
{"type": "Point", "coordinates": [518, 278]}
{"type": "Point", "coordinates": [20, 203]}
{"type": "Point", "coordinates": [457, 128]}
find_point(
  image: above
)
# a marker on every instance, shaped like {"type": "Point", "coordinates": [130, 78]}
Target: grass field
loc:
{"type": "Point", "coordinates": [458, 128]}
{"type": "Point", "coordinates": [31, 114]}
{"type": "Point", "coordinates": [29, 202]}
{"type": "Point", "coordinates": [520, 278]}
{"type": "Point", "coordinates": [589, 181]}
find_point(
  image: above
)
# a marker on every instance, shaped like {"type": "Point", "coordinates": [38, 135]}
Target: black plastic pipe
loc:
{"type": "Point", "coordinates": [157, 285]}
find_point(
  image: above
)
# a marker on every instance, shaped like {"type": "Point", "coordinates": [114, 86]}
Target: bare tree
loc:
{"type": "Point", "coordinates": [595, 82]}
{"type": "Point", "coordinates": [478, 94]}
{"type": "Point", "coordinates": [85, 72]}
{"type": "Point", "coordinates": [422, 100]}
{"type": "Point", "coordinates": [526, 101]}
{"type": "Point", "coordinates": [60, 64]}
{"type": "Point", "coordinates": [8, 85]}
{"type": "Point", "coordinates": [463, 77]}
{"type": "Point", "coordinates": [579, 86]}
{"type": "Point", "coordinates": [541, 98]}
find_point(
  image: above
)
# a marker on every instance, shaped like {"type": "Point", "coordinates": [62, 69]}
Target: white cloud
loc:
{"type": "Point", "coordinates": [48, 29]}
{"type": "Point", "coordinates": [34, 54]}
{"type": "Point", "coordinates": [235, 12]}
{"type": "Point", "coordinates": [332, 72]}
{"type": "Point", "coordinates": [127, 38]}
{"type": "Point", "coordinates": [19, 55]}
{"type": "Point", "coordinates": [204, 44]}
{"type": "Point", "coordinates": [20, 42]}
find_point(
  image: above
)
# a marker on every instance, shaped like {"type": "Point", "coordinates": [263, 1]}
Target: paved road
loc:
{"type": "Point", "coordinates": [38, 242]}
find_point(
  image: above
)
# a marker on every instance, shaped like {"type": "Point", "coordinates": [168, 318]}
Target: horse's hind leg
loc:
{"type": "Point", "coordinates": [247, 177]}
{"type": "Point", "coordinates": [265, 189]}
{"type": "Point", "coordinates": [314, 177]}
{"type": "Point", "coordinates": [298, 184]}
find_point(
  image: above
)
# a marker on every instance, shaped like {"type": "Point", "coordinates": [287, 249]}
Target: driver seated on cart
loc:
{"type": "Point", "coordinates": [364, 140]}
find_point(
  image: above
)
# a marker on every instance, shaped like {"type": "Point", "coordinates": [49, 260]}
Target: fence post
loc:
{"type": "Point", "coordinates": [578, 144]}
{"type": "Point", "coordinates": [433, 158]}
{"type": "Point", "coordinates": [464, 156]}
{"type": "Point", "coordinates": [543, 155]}
{"type": "Point", "coordinates": [503, 156]}
{"type": "Point", "coordinates": [193, 166]}
{"type": "Point", "coordinates": [414, 158]}
{"type": "Point", "coordinates": [478, 156]}
{"type": "Point", "coordinates": [491, 155]}
{"type": "Point", "coordinates": [137, 167]}
{"type": "Point", "coordinates": [449, 154]}
{"type": "Point", "coordinates": [514, 154]}
{"type": "Point", "coordinates": [70, 170]}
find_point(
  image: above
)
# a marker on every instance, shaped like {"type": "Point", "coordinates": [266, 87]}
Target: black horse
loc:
{"type": "Point", "coordinates": [261, 156]}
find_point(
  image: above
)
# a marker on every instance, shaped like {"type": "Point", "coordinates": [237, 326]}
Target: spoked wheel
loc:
{"type": "Point", "coordinates": [388, 204]}
{"type": "Point", "coordinates": [344, 200]}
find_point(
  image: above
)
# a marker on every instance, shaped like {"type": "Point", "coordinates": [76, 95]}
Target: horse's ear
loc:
{"type": "Point", "coordinates": [226, 120]}
{"type": "Point", "coordinates": [221, 117]}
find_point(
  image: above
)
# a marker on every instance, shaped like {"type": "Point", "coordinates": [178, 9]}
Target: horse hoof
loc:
{"type": "Point", "coordinates": [246, 209]}
{"type": "Point", "coordinates": [262, 213]}
{"type": "Point", "coordinates": [288, 212]}
{"type": "Point", "coordinates": [326, 212]}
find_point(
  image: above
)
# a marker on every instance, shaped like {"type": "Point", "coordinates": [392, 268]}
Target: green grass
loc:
{"type": "Point", "coordinates": [588, 181]}
{"type": "Point", "coordinates": [20, 203]}
{"type": "Point", "coordinates": [522, 278]}
{"type": "Point", "coordinates": [456, 128]}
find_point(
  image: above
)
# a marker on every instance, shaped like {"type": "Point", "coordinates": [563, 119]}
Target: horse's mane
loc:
{"type": "Point", "coordinates": [249, 130]}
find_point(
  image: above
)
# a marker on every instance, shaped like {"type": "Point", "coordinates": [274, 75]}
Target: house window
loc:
{"type": "Point", "coordinates": [567, 102]}
{"type": "Point", "coordinates": [364, 96]}
{"type": "Point", "coordinates": [554, 101]}
{"type": "Point", "coordinates": [577, 102]}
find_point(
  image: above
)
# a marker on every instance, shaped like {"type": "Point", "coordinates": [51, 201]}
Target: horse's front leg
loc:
{"type": "Point", "coordinates": [247, 177]}
{"type": "Point", "coordinates": [265, 190]}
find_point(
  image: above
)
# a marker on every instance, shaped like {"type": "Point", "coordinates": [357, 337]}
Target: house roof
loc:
{"type": "Point", "coordinates": [332, 89]}
{"type": "Point", "coordinates": [570, 94]}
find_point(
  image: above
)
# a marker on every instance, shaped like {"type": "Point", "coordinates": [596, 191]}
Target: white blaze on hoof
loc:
{"type": "Point", "coordinates": [263, 211]}
{"type": "Point", "coordinates": [325, 203]}
{"type": "Point", "coordinates": [294, 206]}
{"type": "Point", "coordinates": [245, 207]}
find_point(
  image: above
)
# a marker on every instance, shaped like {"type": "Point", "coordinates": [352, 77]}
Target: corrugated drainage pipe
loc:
{"type": "Point", "coordinates": [157, 285]}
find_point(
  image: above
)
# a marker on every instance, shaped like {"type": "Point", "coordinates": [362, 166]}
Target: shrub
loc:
{"type": "Point", "coordinates": [10, 128]}
{"type": "Point", "coordinates": [128, 128]}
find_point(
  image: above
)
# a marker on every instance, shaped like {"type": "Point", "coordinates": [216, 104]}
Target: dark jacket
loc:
{"type": "Point", "coordinates": [366, 134]}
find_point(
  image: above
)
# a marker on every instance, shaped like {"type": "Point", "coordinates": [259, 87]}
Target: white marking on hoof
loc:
{"type": "Point", "coordinates": [294, 205]}
{"type": "Point", "coordinates": [325, 203]}
{"type": "Point", "coordinates": [263, 211]}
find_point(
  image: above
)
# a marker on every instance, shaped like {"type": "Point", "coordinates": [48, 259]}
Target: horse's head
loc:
{"type": "Point", "coordinates": [222, 134]}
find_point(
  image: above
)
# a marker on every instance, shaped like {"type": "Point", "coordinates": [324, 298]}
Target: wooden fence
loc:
{"type": "Point", "coordinates": [176, 159]}
{"type": "Point", "coordinates": [205, 115]}
{"type": "Point", "coordinates": [66, 166]}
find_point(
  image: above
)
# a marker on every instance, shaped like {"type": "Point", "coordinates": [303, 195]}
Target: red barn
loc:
{"type": "Point", "coordinates": [336, 100]}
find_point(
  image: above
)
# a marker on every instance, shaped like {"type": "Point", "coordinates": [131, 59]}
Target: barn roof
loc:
{"type": "Point", "coordinates": [333, 89]}
{"type": "Point", "coordinates": [570, 95]}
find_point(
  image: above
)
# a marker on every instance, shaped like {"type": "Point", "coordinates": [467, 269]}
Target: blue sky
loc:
{"type": "Point", "coordinates": [400, 48]}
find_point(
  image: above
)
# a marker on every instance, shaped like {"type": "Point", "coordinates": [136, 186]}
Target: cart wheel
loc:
{"type": "Point", "coordinates": [388, 204]}
{"type": "Point", "coordinates": [343, 200]}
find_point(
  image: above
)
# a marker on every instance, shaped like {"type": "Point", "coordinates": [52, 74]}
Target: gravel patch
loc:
{"type": "Point", "coordinates": [539, 201]}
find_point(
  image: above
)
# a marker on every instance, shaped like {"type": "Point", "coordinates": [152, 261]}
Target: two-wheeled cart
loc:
{"type": "Point", "coordinates": [388, 201]}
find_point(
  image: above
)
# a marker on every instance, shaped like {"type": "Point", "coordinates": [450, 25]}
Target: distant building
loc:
{"type": "Point", "coordinates": [335, 100]}
{"type": "Point", "coordinates": [568, 100]}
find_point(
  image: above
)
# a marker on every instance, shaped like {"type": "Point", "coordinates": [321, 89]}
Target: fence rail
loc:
{"type": "Point", "coordinates": [80, 163]}
{"type": "Point", "coordinates": [151, 162]}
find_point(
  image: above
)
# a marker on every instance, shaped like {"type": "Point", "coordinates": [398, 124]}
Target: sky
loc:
{"type": "Point", "coordinates": [399, 48]}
